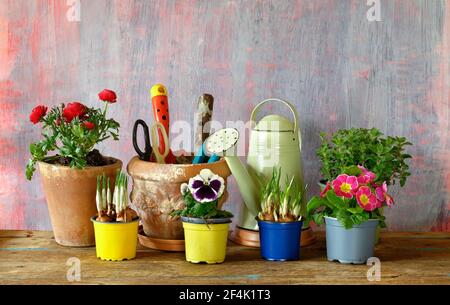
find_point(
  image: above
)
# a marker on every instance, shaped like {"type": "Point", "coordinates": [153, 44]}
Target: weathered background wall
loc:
{"type": "Point", "coordinates": [338, 68]}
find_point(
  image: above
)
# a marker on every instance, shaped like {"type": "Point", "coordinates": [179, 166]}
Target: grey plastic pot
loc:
{"type": "Point", "coordinates": [322, 185]}
{"type": "Point", "coordinates": [350, 246]}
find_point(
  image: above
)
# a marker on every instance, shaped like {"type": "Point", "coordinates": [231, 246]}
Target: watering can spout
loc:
{"type": "Point", "coordinates": [247, 185]}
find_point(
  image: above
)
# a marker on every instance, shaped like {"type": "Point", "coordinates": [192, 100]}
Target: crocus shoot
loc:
{"type": "Point", "coordinates": [281, 205]}
{"type": "Point", "coordinates": [116, 209]}
{"type": "Point", "coordinates": [101, 199]}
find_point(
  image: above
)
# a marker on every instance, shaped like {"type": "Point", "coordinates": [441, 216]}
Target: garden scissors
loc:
{"type": "Point", "coordinates": [152, 146]}
{"type": "Point", "coordinates": [143, 155]}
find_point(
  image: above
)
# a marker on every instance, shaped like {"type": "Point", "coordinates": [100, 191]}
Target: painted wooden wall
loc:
{"type": "Point", "coordinates": [339, 69]}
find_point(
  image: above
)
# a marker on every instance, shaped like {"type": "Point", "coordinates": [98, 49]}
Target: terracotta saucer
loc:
{"type": "Point", "coordinates": [175, 245]}
{"type": "Point", "coordinates": [245, 237]}
{"type": "Point", "coordinates": [250, 238]}
{"type": "Point", "coordinates": [308, 237]}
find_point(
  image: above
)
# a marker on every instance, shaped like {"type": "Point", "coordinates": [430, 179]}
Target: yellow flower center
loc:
{"type": "Point", "coordinates": [346, 187]}
{"type": "Point", "coordinates": [364, 199]}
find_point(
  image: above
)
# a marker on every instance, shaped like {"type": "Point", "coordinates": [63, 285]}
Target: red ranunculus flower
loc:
{"type": "Point", "coordinates": [37, 113]}
{"type": "Point", "coordinates": [88, 125]}
{"type": "Point", "coordinates": [74, 110]}
{"type": "Point", "coordinates": [108, 96]}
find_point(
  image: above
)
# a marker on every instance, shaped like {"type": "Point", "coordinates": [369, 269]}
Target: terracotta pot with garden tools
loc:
{"type": "Point", "coordinates": [157, 178]}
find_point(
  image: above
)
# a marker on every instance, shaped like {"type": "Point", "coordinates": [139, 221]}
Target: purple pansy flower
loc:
{"type": "Point", "coordinates": [206, 186]}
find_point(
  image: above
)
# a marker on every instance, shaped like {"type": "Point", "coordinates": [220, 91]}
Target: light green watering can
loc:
{"type": "Point", "coordinates": [275, 142]}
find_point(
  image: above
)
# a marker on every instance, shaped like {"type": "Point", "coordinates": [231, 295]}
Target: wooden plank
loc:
{"type": "Point", "coordinates": [406, 258]}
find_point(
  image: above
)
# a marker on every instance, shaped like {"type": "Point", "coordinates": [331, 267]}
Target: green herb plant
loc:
{"type": "Point", "coordinates": [385, 156]}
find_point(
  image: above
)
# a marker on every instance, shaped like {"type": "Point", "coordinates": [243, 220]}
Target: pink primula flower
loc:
{"type": "Point", "coordinates": [363, 179]}
{"type": "Point", "coordinates": [382, 195]}
{"type": "Point", "coordinates": [366, 176]}
{"type": "Point", "coordinates": [366, 199]}
{"type": "Point", "coordinates": [345, 186]}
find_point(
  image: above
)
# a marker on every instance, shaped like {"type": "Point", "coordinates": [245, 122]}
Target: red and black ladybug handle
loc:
{"type": "Point", "coordinates": [160, 106]}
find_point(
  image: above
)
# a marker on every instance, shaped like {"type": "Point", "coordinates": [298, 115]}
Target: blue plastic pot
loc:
{"type": "Point", "coordinates": [280, 241]}
{"type": "Point", "coordinates": [350, 246]}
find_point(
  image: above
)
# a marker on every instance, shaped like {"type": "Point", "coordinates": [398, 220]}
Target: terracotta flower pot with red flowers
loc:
{"type": "Point", "coordinates": [69, 164]}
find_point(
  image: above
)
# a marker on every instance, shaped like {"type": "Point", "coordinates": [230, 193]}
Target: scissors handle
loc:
{"type": "Point", "coordinates": [160, 157]}
{"type": "Point", "coordinates": [143, 155]}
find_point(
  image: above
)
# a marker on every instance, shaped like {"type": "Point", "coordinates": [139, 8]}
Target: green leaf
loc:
{"type": "Point", "coordinates": [203, 209]}
{"type": "Point", "coordinates": [344, 218]}
{"type": "Point", "coordinates": [334, 199]}
{"type": "Point", "coordinates": [314, 203]}
{"type": "Point", "coordinates": [352, 170]}
{"type": "Point", "coordinates": [30, 168]}
{"type": "Point", "coordinates": [318, 218]}
{"type": "Point", "coordinates": [356, 210]}
{"type": "Point", "coordinates": [33, 149]}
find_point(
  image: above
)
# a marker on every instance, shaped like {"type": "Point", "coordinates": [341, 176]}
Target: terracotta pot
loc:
{"type": "Point", "coordinates": [70, 195]}
{"type": "Point", "coordinates": [156, 193]}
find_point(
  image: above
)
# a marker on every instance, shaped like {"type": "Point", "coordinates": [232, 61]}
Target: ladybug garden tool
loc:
{"type": "Point", "coordinates": [275, 142]}
{"type": "Point", "coordinates": [160, 106]}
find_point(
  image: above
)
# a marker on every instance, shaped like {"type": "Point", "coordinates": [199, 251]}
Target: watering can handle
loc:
{"type": "Point", "coordinates": [289, 105]}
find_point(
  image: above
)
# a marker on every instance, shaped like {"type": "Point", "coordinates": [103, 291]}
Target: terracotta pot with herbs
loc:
{"type": "Point", "coordinates": [69, 164]}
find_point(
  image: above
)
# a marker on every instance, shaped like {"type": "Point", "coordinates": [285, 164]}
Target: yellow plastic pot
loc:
{"type": "Point", "coordinates": [205, 242]}
{"type": "Point", "coordinates": [115, 241]}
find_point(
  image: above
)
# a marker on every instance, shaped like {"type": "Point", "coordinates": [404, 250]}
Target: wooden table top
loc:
{"type": "Point", "coordinates": [33, 257]}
